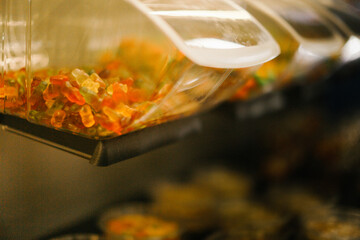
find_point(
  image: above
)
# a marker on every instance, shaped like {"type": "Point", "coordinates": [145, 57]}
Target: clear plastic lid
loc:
{"type": "Point", "coordinates": [349, 17]}
{"type": "Point", "coordinates": [345, 11]}
{"type": "Point", "coordinates": [234, 40]}
{"type": "Point", "coordinates": [276, 72]}
{"type": "Point", "coordinates": [309, 45]}
{"type": "Point", "coordinates": [307, 26]}
{"type": "Point", "coordinates": [347, 20]}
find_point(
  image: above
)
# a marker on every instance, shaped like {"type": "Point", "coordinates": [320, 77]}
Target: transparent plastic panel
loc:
{"type": "Point", "coordinates": [234, 34]}
{"type": "Point", "coordinates": [351, 50]}
{"type": "Point", "coordinates": [354, 4]}
{"type": "Point", "coordinates": [345, 12]}
{"type": "Point", "coordinates": [275, 73]}
{"type": "Point", "coordinates": [310, 47]}
{"type": "Point", "coordinates": [352, 21]}
{"type": "Point", "coordinates": [234, 39]}
{"type": "Point", "coordinates": [304, 20]}
{"type": "Point", "coordinates": [320, 50]}
{"type": "Point", "coordinates": [347, 20]}
{"type": "Point", "coordinates": [307, 25]}
{"type": "Point", "coordinates": [97, 66]}
{"type": "Point", "coordinates": [197, 89]}
{"type": "Point", "coordinates": [13, 57]}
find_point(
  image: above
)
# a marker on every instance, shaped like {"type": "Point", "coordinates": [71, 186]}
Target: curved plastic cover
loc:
{"type": "Point", "coordinates": [306, 25]}
{"type": "Point", "coordinates": [345, 18]}
{"type": "Point", "coordinates": [344, 12]}
{"type": "Point", "coordinates": [215, 33]}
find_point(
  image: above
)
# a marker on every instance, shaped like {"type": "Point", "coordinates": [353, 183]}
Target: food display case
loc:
{"type": "Point", "coordinates": [282, 163]}
{"type": "Point", "coordinates": [124, 65]}
{"type": "Point", "coordinates": [106, 77]}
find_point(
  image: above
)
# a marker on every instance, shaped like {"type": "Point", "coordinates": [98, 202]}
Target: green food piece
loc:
{"type": "Point", "coordinates": [21, 80]}
{"type": "Point", "coordinates": [37, 93]}
{"type": "Point", "coordinates": [11, 82]}
{"type": "Point", "coordinates": [58, 104]}
{"type": "Point", "coordinates": [124, 73]}
{"type": "Point", "coordinates": [88, 94]}
{"type": "Point", "coordinates": [51, 72]}
{"type": "Point", "coordinates": [89, 70]}
{"type": "Point", "coordinates": [21, 91]}
{"type": "Point", "coordinates": [91, 98]}
{"type": "Point", "coordinates": [264, 81]}
{"type": "Point", "coordinates": [92, 131]}
{"type": "Point", "coordinates": [42, 86]}
{"type": "Point", "coordinates": [75, 107]}
{"type": "Point", "coordinates": [145, 83]}
{"type": "Point", "coordinates": [35, 116]}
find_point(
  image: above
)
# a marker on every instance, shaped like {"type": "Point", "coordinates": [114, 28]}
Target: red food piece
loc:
{"type": "Point", "coordinates": [57, 118]}
{"type": "Point", "coordinates": [74, 83]}
{"type": "Point", "coordinates": [109, 125]}
{"type": "Point", "coordinates": [52, 91]}
{"type": "Point", "coordinates": [37, 103]}
{"type": "Point", "coordinates": [35, 82]}
{"type": "Point", "coordinates": [109, 102]}
{"type": "Point", "coordinates": [75, 119]}
{"type": "Point", "coordinates": [104, 73]}
{"type": "Point", "coordinates": [73, 94]}
{"type": "Point", "coordinates": [42, 74]}
{"type": "Point", "coordinates": [136, 95]}
{"type": "Point", "coordinates": [128, 81]}
{"type": "Point", "coordinates": [113, 65]}
{"type": "Point", "coordinates": [118, 93]}
{"type": "Point", "coordinates": [244, 91]}
{"type": "Point", "coordinates": [59, 79]}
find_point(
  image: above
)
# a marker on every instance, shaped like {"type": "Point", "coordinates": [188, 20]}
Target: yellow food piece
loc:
{"type": "Point", "coordinates": [91, 85]}
{"type": "Point", "coordinates": [125, 110]}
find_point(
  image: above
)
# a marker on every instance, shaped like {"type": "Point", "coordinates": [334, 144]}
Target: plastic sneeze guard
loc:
{"type": "Point", "coordinates": [310, 47]}
{"type": "Point", "coordinates": [347, 20]}
{"type": "Point", "coordinates": [347, 16]}
{"type": "Point", "coordinates": [222, 45]}
{"type": "Point", "coordinates": [308, 27]}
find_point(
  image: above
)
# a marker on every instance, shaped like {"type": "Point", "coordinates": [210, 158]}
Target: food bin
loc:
{"type": "Point", "coordinates": [100, 69]}
{"type": "Point", "coordinates": [310, 46]}
{"type": "Point", "coordinates": [136, 221]}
